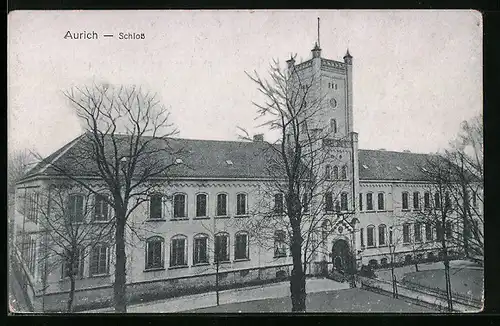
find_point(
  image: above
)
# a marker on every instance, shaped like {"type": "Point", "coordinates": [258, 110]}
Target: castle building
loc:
{"type": "Point", "coordinates": [205, 206]}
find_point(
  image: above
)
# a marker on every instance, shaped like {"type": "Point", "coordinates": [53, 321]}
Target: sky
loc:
{"type": "Point", "coordinates": [416, 74]}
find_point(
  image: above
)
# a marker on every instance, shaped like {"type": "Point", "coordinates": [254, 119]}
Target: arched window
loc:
{"type": "Point", "coordinates": [278, 204]}
{"type": "Point", "coordinates": [370, 236]}
{"type": "Point", "coordinates": [380, 201]}
{"type": "Point", "coordinates": [221, 247]}
{"type": "Point", "coordinates": [369, 201]}
{"type": "Point", "coordinates": [406, 233]}
{"type": "Point", "coordinates": [241, 246]}
{"type": "Point", "coordinates": [381, 235]}
{"type": "Point", "coordinates": [156, 207]}
{"type": "Point", "coordinates": [404, 200]}
{"type": "Point", "coordinates": [75, 208]}
{"type": "Point", "coordinates": [437, 200]}
{"type": "Point", "coordinates": [328, 202]}
{"type": "Point", "coordinates": [416, 200]}
{"type": "Point", "coordinates": [360, 201]}
{"type": "Point", "coordinates": [417, 232]}
{"type": "Point", "coordinates": [427, 200]}
{"type": "Point", "coordinates": [101, 208]}
{"type": "Point", "coordinates": [178, 251]}
{"type": "Point", "coordinates": [201, 205]}
{"type": "Point", "coordinates": [180, 208]}
{"type": "Point", "coordinates": [428, 232]}
{"type": "Point", "coordinates": [241, 204]}
{"type": "Point", "coordinates": [279, 243]}
{"type": "Point", "coordinates": [449, 230]}
{"type": "Point", "coordinates": [99, 260]}
{"type": "Point", "coordinates": [305, 203]}
{"type": "Point", "coordinates": [328, 172]}
{"type": "Point", "coordinates": [154, 252]}
{"type": "Point", "coordinates": [344, 172]}
{"type": "Point", "coordinates": [336, 172]}
{"type": "Point", "coordinates": [344, 202]}
{"type": "Point", "coordinates": [333, 126]}
{"type": "Point", "coordinates": [221, 205]}
{"type": "Point", "coordinates": [200, 249]}
{"type": "Point", "coordinates": [75, 268]}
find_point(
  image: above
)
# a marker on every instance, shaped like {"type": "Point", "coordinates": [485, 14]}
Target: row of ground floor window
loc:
{"type": "Point", "coordinates": [382, 231]}
{"type": "Point", "coordinates": [155, 252]}
{"type": "Point", "coordinates": [401, 259]}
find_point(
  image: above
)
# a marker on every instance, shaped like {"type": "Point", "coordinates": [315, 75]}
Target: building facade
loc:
{"type": "Point", "coordinates": [203, 212]}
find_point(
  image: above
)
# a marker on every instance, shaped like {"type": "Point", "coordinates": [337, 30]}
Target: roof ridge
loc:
{"type": "Point", "coordinates": [392, 151]}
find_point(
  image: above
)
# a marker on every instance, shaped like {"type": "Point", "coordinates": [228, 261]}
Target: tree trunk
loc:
{"type": "Point", "coordinates": [449, 297]}
{"type": "Point", "coordinates": [298, 278]}
{"type": "Point", "coordinates": [71, 293]}
{"type": "Point", "coordinates": [120, 266]}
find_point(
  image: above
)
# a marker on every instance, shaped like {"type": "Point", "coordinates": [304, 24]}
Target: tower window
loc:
{"type": "Point", "coordinates": [333, 126]}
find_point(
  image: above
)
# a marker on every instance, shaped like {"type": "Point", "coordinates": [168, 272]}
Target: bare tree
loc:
{"type": "Point", "coordinates": [18, 164]}
{"type": "Point", "coordinates": [72, 228]}
{"type": "Point", "coordinates": [126, 146]}
{"type": "Point", "coordinates": [305, 191]}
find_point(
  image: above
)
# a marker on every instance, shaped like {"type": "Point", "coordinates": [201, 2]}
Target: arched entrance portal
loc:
{"type": "Point", "coordinates": [341, 257]}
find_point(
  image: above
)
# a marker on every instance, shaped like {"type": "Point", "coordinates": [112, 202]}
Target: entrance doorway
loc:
{"type": "Point", "coordinates": [341, 257]}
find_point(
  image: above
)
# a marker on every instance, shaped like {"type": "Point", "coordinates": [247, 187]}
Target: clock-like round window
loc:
{"type": "Point", "coordinates": [333, 103]}
{"type": "Point", "coordinates": [340, 229]}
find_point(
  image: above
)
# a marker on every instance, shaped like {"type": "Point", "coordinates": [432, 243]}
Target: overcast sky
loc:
{"type": "Point", "coordinates": [417, 74]}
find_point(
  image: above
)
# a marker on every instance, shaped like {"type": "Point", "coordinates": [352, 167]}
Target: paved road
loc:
{"type": "Point", "coordinates": [270, 291]}
{"type": "Point", "coordinates": [348, 300]}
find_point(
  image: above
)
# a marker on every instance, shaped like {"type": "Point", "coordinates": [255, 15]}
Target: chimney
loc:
{"type": "Point", "coordinates": [258, 137]}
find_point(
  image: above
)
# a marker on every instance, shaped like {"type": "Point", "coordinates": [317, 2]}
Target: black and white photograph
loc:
{"type": "Point", "coordinates": [245, 161]}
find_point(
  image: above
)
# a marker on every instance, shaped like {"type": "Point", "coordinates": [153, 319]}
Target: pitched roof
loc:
{"type": "Point", "coordinates": [209, 159]}
{"type": "Point", "coordinates": [389, 165]}
{"type": "Point", "coordinates": [200, 158]}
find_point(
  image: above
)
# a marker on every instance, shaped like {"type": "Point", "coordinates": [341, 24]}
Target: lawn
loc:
{"type": "Point", "coordinates": [465, 281]}
{"type": "Point", "coordinates": [349, 300]}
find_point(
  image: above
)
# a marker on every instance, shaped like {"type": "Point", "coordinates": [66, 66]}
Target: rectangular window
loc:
{"type": "Point", "coordinates": [404, 200]}
{"type": "Point", "coordinates": [154, 254]}
{"type": "Point", "coordinates": [99, 261]}
{"type": "Point", "coordinates": [418, 232]}
{"type": "Point", "coordinates": [390, 236]}
{"type": "Point", "coordinates": [279, 244]}
{"type": "Point", "coordinates": [360, 201]}
{"type": "Point", "coordinates": [416, 201]}
{"type": "Point", "coordinates": [76, 208]}
{"type": "Point", "coordinates": [221, 246]}
{"type": "Point", "coordinates": [241, 248]}
{"type": "Point", "coordinates": [381, 205]}
{"type": "Point", "coordinates": [381, 235]}
{"type": "Point", "coordinates": [328, 202]}
{"type": "Point", "coordinates": [278, 204]}
{"type": "Point", "coordinates": [428, 232]}
{"type": "Point", "coordinates": [32, 213]}
{"type": "Point", "coordinates": [369, 201]}
{"type": "Point", "coordinates": [101, 208]}
{"type": "Point", "coordinates": [241, 204]}
{"type": "Point", "coordinates": [361, 237]}
{"type": "Point", "coordinates": [221, 205]}
{"type": "Point", "coordinates": [200, 250]}
{"type": "Point", "coordinates": [406, 233]}
{"type": "Point", "coordinates": [437, 201]}
{"type": "Point", "coordinates": [177, 254]}
{"type": "Point", "coordinates": [370, 237]}
{"type": "Point", "coordinates": [155, 207]}
{"type": "Point", "coordinates": [343, 202]}
{"type": "Point", "coordinates": [427, 200]}
{"type": "Point", "coordinates": [179, 206]}
{"type": "Point", "coordinates": [201, 205]}
{"type": "Point", "coordinates": [328, 172]}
